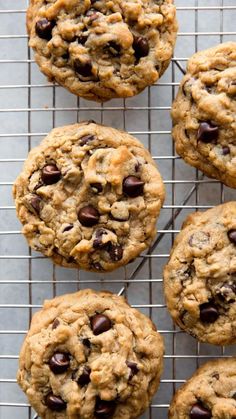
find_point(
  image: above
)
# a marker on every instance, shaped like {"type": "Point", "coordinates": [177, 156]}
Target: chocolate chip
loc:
{"type": "Point", "coordinates": [86, 139]}
{"type": "Point", "coordinates": [207, 132]}
{"type": "Point", "coordinates": [234, 396]}
{"type": "Point", "coordinates": [232, 236]}
{"type": "Point", "coordinates": [84, 68]}
{"type": "Point", "coordinates": [198, 411]}
{"type": "Point", "coordinates": [86, 342]}
{"type": "Point", "coordinates": [68, 228]}
{"type": "Point", "coordinates": [66, 56]}
{"type": "Point", "coordinates": [82, 39]}
{"type": "Point", "coordinates": [55, 324]}
{"type": "Point", "coordinates": [44, 27]}
{"type": "Point", "coordinates": [55, 402]}
{"type": "Point", "coordinates": [134, 368]}
{"type": "Point", "coordinates": [116, 252]}
{"type": "Point", "coordinates": [59, 363]}
{"type": "Point", "coordinates": [100, 324]}
{"type": "Point", "coordinates": [140, 46]}
{"type": "Point", "coordinates": [97, 243]}
{"type": "Point", "coordinates": [88, 216]}
{"type": "Point", "coordinates": [84, 378]}
{"type": "Point", "coordinates": [50, 174]}
{"type": "Point", "coordinates": [35, 202]}
{"type": "Point", "coordinates": [225, 150]}
{"type": "Point", "coordinates": [96, 187]}
{"type": "Point", "coordinates": [113, 48]}
{"type": "Point", "coordinates": [208, 313]}
{"type": "Point", "coordinates": [104, 409]}
{"type": "Point", "coordinates": [133, 186]}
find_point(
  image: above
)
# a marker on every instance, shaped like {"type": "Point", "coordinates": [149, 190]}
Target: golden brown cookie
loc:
{"type": "Point", "coordinates": [200, 277]}
{"type": "Point", "coordinates": [89, 197]}
{"type": "Point", "coordinates": [209, 394]}
{"type": "Point", "coordinates": [204, 113]}
{"type": "Point", "coordinates": [102, 49]}
{"type": "Point", "coordinates": [90, 355]}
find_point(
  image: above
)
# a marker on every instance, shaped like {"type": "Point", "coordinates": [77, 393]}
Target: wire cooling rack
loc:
{"type": "Point", "coordinates": [29, 108]}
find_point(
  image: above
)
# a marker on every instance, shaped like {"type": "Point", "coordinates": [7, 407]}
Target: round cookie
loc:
{"type": "Point", "coordinates": [89, 197]}
{"type": "Point", "coordinates": [204, 113]}
{"type": "Point", "coordinates": [102, 49]}
{"type": "Point", "coordinates": [209, 394]}
{"type": "Point", "coordinates": [200, 277]}
{"type": "Point", "coordinates": [90, 355]}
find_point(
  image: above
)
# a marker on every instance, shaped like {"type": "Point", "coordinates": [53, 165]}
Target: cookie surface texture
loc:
{"type": "Point", "coordinates": [204, 113]}
{"type": "Point", "coordinates": [90, 355]}
{"type": "Point", "coordinates": [199, 279]}
{"type": "Point", "coordinates": [209, 394]}
{"type": "Point", "coordinates": [102, 49]}
{"type": "Point", "coordinates": [89, 196]}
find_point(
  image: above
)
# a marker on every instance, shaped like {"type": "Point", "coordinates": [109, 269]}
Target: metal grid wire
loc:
{"type": "Point", "coordinates": [29, 108]}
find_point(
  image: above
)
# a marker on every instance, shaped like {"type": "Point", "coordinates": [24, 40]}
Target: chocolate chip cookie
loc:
{"type": "Point", "coordinates": [204, 113]}
{"type": "Point", "coordinates": [101, 49]}
{"type": "Point", "coordinates": [210, 393]}
{"type": "Point", "coordinates": [200, 277]}
{"type": "Point", "coordinates": [90, 355]}
{"type": "Point", "coordinates": [89, 197]}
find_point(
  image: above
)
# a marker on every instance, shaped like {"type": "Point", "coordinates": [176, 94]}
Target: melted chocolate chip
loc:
{"type": "Point", "coordinates": [96, 187]}
{"type": "Point", "coordinates": [84, 378]}
{"type": "Point", "coordinates": [225, 150]}
{"type": "Point", "coordinates": [50, 174]}
{"type": "Point", "coordinates": [97, 243]}
{"type": "Point", "coordinates": [115, 252]}
{"type": "Point", "coordinates": [88, 216]}
{"type": "Point", "coordinates": [55, 324]}
{"type": "Point", "coordinates": [44, 27]}
{"type": "Point", "coordinates": [113, 48]}
{"type": "Point", "coordinates": [133, 186]}
{"type": "Point", "coordinates": [66, 56]}
{"type": "Point", "coordinates": [208, 312]}
{"type": "Point", "coordinates": [207, 132]}
{"type": "Point", "coordinates": [134, 368]}
{"type": "Point", "coordinates": [59, 363]}
{"type": "Point", "coordinates": [84, 68]}
{"type": "Point", "coordinates": [35, 202]}
{"type": "Point", "coordinates": [86, 342]}
{"type": "Point", "coordinates": [86, 139]}
{"type": "Point", "coordinates": [198, 411]}
{"type": "Point", "coordinates": [55, 402]}
{"type": "Point", "coordinates": [68, 228]}
{"type": "Point", "coordinates": [140, 46]}
{"type": "Point", "coordinates": [104, 409]}
{"type": "Point", "coordinates": [232, 236]}
{"type": "Point", "coordinates": [100, 324]}
{"type": "Point", "coordinates": [82, 39]}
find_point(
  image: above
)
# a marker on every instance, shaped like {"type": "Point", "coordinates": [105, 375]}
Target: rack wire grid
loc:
{"type": "Point", "coordinates": [29, 108]}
